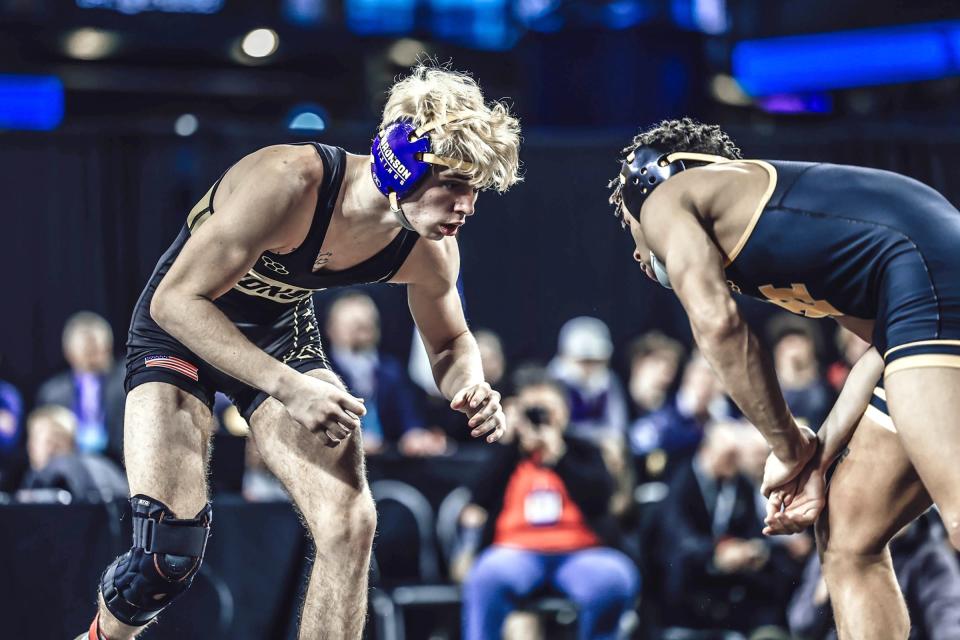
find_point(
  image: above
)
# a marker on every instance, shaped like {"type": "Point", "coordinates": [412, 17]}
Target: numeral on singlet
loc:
{"type": "Point", "coordinates": [798, 300]}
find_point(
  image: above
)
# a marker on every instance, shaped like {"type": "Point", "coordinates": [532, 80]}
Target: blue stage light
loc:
{"type": "Point", "coordinates": [482, 24]}
{"type": "Point", "coordinates": [307, 117]}
{"type": "Point", "coordinates": [846, 59]}
{"type": "Point", "coordinates": [380, 17]}
{"type": "Point", "coordinates": [32, 103]}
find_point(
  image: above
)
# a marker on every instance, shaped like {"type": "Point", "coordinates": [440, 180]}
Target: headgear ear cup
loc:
{"type": "Point", "coordinates": [645, 169]}
{"type": "Point", "coordinates": [397, 159]}
{"type": "Point", "coordinates": [402, 158]}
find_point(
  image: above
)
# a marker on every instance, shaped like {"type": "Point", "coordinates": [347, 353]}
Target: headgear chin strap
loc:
{"type": "Point", "coordinates": [648, 167]}
{"type": "Point", "coordinates": [402, 158]}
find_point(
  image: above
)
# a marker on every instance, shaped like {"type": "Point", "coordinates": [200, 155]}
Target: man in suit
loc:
{"type": "Point", "coordinates": [92, 388]}
{"type": "Point", "coordinates": [393, 417]}
{"type": "Point", "coordinates": [719, 570]}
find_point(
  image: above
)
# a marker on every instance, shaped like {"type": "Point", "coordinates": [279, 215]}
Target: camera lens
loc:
{"type": "Point", "coordinates": [537, 415]}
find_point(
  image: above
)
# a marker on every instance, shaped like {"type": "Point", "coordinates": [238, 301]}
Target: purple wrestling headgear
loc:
{"type": "Point", "coordinates": [402, 158]}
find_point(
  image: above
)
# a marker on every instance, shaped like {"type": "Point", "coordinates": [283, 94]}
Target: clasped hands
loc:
{"type": "Point", "coordinates": [795, 489]}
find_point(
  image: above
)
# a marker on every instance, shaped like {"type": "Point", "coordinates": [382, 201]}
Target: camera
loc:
{"type": "Point", "coordinates": [537, 415]}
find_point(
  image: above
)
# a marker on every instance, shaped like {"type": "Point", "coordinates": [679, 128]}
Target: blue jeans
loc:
{"type": "Point", "coordinates": [602, 582]}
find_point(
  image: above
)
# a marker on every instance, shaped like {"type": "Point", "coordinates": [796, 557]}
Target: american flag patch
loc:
{"type": "Point", "coordinates": [169, 362]}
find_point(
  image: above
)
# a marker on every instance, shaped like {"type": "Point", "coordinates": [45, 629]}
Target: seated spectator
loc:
{"type": "Point", "coordinates": [754, 451]}
{"type": "Point", "coordinates": [798, 369]}
{"type": "Point", "coordinates": [436, 407]}
{"type": "Point", "coordinates": [11, 413]}
{"type": "Point", "coordinates": [93, 387]}
{"type": "Point", "coordinates": [715, 561]}
{"type": "Point", "coordinates": [788, 553]}
{"type": "Point", "coordinates": [491, 356]}
{"type": "Point", "coordinates": [598, 407]}
{"type": "Point", "coordinates": [12, 458]}
{"type": "Point", "coordinates": [676, 429]}
{"type": "Point", "coordinates": [927, 572]}
{"type": "Point", "coordinates": [541, 514]}
{"type": "Point", "coordinates": [851, 347]}
{"type": "Point", "coordinates": [393, 418]}
{"type": "Point", "coordinates": [654, 363]}
{"type": "Point", "coordinates": [55, 462]}
{"type": "Point", "coordinates": [259, 483]}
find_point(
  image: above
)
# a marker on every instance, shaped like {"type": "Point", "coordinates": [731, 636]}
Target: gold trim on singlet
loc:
{"type": "Point", "coordinates": [921, 343]}
{"type": "Point", "coordinates": [745, 236]}
{"type": "Point", "coordinates": [200, 212]}
{"type": "Point", "coordinates": [252, 283]}
{"type": "Point", "coordinates": [923, 360]}
{"type": "Point", "coordinates": [764, 199]}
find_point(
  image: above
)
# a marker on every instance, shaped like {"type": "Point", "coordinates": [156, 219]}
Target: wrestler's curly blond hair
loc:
{"type": "Point", "coordinates": [485, 134]}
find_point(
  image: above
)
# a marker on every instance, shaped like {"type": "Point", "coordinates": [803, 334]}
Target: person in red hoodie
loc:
{"type": "Point", "coordinates": [542, 512]}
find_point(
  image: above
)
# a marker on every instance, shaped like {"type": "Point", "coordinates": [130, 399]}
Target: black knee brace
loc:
{"type": "Point", "coordinates": [165, 556]}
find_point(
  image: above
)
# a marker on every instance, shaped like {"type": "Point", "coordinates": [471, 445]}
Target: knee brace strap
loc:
{"type": "Point", "coordinates": [165, 556]}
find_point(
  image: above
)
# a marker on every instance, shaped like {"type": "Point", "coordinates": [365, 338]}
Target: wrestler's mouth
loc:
{"type": "Point", "coordinates": [450, 228]}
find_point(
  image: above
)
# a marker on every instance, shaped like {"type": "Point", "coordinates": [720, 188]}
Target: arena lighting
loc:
{"type": "Point", "coordinates": [308, 121]}
{"type": "Point", "coordinates": [186, 125]}
{"type": "Point", "coordinates": [845, 59]}
{"type": "Point", "coordinates": [32, 103]}
{"type": "Point", "coordinates": [796, 103]}
{"type": "Point", "coordinates": [90, 44]}
{"type": "Point", "coordinates": [260, 43]}
{"type": "Point", "coordinates": [307, 117]}
{"type": "Point", "coordinates": [708, 16]}
{"type": "Point", "coordinates": [380, 17]}
{"type": "Point", "coordinates": [481, 24]}
{"type": "Point", "coordinates": [131, 7]}
{"type": "Point", "coordinates": [725, 89]}
{"type": "Point", "coordinates": [405, 51]}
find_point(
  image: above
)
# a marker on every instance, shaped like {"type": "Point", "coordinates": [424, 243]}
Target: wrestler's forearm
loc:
{"type": "Point", "coordinates": [206, 331]}
{"type": "Point", "coordinates": [838, 427]}
{"type": "Point", "coordinates": [749, 378]}
{"type": "Point", "coordinates": [457, 365]}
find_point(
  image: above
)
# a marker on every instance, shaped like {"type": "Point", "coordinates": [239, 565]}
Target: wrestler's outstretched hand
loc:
{"type": "Point", "coordinates": [794, 506]}
{"type": "Point", "coordinates": [481, 404]}
{"type": "Point", "coordinates": [324, 407]}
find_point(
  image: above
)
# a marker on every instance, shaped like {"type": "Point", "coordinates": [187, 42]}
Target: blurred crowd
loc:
{"type": "Point", "coordinates": [614, 507]}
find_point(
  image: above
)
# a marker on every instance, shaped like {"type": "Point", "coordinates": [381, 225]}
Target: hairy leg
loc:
{"type": "Point", "coordinates": [873, 493]}
{"type": "Point", "coordinates": [166, 444]}
{"type": "Point", "coordinates": [329, 487]}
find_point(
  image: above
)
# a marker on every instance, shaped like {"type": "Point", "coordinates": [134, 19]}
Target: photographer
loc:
{"type": "Point", "coordinates": [541, 515]}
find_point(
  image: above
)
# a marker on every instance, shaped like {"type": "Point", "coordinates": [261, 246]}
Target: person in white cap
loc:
{"type": "Point", "coordinates": [597, 401]}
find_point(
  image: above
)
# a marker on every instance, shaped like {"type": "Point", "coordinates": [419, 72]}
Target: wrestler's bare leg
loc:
{"type": "Point", "coordinates": [329, 486]}
{"type": "Point", "coordinates": [166, 444]}
{"type": "Point", "coordinates": [874, 492]}
{"type": "Point", "coordinates": [925, 405]}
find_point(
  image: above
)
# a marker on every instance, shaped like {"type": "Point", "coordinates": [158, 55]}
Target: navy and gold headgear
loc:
{"type": "Point", "coordinates": [647, 167]}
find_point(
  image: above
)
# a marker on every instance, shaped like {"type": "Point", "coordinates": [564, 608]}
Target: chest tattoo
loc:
{"type": "Point", "coordinates": [322, 260]}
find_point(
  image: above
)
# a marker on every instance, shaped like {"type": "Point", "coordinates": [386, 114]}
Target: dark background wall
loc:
{"type": "Point", "coordinates": [85, 215]}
